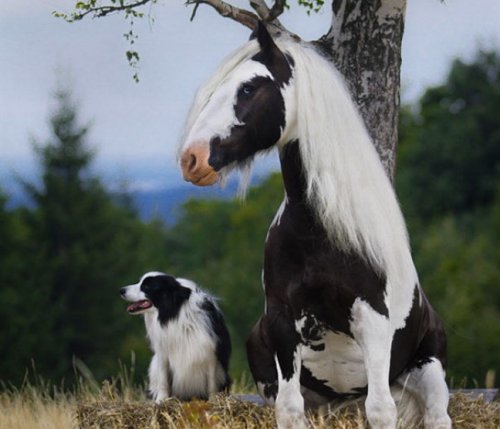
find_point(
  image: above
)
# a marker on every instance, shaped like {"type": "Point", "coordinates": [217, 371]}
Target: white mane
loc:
{"type": "Point", "coordinates": [346, 182]}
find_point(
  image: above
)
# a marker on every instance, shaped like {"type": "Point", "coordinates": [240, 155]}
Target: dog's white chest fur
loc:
{"type": "Point", "coordinates": [185, 351]}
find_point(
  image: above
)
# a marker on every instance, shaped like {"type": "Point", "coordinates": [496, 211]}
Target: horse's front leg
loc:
{"type": "Point", "coordinates": [289, 405]}
{"type": "Point", "coordinates": [374, 334]}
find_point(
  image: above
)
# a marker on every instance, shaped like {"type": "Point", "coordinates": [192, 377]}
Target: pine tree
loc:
{"type": "Point", "coordinates": [82, 247]}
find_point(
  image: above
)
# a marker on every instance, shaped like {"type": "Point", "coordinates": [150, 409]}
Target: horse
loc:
{"type": "Point", "coordinates": [345, 314]}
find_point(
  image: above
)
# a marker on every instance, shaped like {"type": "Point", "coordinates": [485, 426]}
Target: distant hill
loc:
{"type": "Point", "coordinates": [165, 204]}
{"type": "Point", "coordinates": [155, 185]}
{"type": "Point", "coordinates": [150, 202]}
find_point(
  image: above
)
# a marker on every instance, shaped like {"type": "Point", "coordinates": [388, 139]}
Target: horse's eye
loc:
{"type": "Point", "coordinates": [247, 89]}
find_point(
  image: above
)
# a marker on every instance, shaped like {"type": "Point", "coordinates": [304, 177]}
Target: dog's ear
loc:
{"type": "Point", "coordinates": [151, 284]}
{"type": "Point", "coordinates": [158, 283]}
{"type": "Point", "coordinates": [147, 285]}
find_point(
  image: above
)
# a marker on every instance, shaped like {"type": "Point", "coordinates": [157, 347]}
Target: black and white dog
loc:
{"type": "Point", "coordinates": [187, 334]}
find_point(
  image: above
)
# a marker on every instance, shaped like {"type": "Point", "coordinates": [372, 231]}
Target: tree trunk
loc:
{"type": "Point", "coordinates": [364, 42]}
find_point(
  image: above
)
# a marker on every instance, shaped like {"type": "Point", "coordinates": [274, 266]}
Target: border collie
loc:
{"type": "Point", "coordinates": [188, 336]}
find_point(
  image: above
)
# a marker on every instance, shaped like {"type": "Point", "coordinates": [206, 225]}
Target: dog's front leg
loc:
{"type": "Point", "coordinates": [212, 378]}
{"type": "Point", "coordinates": [373, 333]}
{"type": "Point", "coordinates": [159, 385]}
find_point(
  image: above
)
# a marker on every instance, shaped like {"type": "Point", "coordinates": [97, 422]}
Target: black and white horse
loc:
{"type": "Point", "coordinates": [344, 313]}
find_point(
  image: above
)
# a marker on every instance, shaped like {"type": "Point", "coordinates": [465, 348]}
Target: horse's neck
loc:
{"type": "Point", "coordinates": [300, 215]}
{"type": "Point", "coordinates": [293, 172]}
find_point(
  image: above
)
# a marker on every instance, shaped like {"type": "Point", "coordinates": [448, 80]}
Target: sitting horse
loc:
{"type": "Point", "coordinates": [345, 314]}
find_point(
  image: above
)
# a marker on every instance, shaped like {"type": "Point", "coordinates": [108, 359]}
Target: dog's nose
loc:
{"type": "Point", "coordinates": [123, 291]}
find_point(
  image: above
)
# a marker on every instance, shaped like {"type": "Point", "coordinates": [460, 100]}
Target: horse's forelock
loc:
{"type": "Point", "coordinates": [207, 89]}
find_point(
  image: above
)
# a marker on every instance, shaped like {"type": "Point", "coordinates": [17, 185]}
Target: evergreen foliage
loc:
{"type": "Point", "coordinates": [62, 275]}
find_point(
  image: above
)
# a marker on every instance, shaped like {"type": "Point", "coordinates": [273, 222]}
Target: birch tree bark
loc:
{"type": "Point", "coordinates": [364, 42]}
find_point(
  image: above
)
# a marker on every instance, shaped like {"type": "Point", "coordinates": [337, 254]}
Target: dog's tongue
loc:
{"type": "Point", "coordinates": [139, 305]}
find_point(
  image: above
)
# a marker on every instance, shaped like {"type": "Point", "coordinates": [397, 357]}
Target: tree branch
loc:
{"type": "Point", "coordinates": [260, 7]}
{"type": "Point", "coordinates": [266, 14]}
{"type": "Point", "coordinates": [101, 11]}
{"type": "Point", "coordinates": [245, 17]}
{"type": "Point", "coordinates": [276, 10]}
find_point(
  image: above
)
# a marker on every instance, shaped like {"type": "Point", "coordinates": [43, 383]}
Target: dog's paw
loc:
{"type": "Point", "coordinates": [158, 397]}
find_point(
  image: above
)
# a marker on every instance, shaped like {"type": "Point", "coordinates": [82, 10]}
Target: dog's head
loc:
{"type": "Point", "coordinates": [158, 292]}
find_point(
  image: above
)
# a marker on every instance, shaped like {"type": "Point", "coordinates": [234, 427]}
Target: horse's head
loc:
{"type": "Point", "coordinates": [243, 113]}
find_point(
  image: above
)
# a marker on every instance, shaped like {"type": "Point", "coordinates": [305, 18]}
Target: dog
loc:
{"type": "Point", "coordinates": [187, 334]}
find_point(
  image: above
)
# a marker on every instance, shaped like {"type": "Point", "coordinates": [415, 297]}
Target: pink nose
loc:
{"type": "Point", "coordinates": [195, 167]}
{"type": "Point", "coordinates": [189, 162]}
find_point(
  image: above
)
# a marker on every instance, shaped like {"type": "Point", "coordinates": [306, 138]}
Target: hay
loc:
{"type": "Point", "coordinates": [223, 412]}
{"type": "Point", "coordinates": [228, 412]}
{"type": "Point", "coordinates": [474, 413]}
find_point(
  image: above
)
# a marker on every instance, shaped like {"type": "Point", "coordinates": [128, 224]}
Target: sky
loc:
{"type": "Point", "coordinates": [135, 127]}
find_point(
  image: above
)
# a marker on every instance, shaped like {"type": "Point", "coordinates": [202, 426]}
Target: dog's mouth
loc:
{"type": "Point", "coordinates": [139, 306]}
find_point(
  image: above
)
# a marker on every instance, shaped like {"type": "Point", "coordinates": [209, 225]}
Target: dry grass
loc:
{"type": "Point", "coordinates": [113, 406]}
{"type": "Point", "coordinates": [468, 413]}
{"type": "Point", "coordinates": [33, 408]}
{"type": "Point", "coordinates": [225, 412]}
{"type": "Point", "coordinates": [41, 405]}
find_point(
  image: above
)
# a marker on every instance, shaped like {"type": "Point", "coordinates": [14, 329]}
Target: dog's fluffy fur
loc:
{"type": "Point", "coordinates": [187, 334]}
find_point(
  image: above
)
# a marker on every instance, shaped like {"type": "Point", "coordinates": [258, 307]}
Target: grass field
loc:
{"type": "Point", "coordinates": [118, 405]}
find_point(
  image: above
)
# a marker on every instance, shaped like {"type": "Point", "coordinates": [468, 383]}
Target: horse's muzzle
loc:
{"type": "Point", "coordinates": [195, 167]}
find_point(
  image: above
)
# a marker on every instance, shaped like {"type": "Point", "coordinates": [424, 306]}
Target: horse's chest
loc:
{"type": "Point", "coordinates": [330, 358]}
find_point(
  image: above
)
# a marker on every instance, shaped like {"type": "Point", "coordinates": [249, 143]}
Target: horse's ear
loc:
{"type": "Point", "coordinates": [265, 40]}
{"type": "Point", "coordinates": [270, 54]}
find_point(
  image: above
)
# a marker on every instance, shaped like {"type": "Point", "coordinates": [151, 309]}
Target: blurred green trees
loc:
{"type": "Point", "coordinates": [63, 260]}
{"type": "Point", "coordinates": [448, 181]}
{"type": "Point", "coordinates": [450, 151]}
